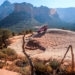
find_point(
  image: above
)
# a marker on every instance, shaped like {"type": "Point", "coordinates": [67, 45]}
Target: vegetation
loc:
{"type": "Point", "coordinates": [25, 65]}
{"type": "Point", "coordinates": [4, 35]}
{"type": "Point", "coordinates": [8, 54]}
{"type": "Point", "coordinates": [42, 69]}
{"type": "Point", "coordinates": [54, 64]}
{"type": "Point", "coordinates": [21, 62]}
{"type": "Point", "coordinates": [2, 64]}
{"type": "Point", "coordinates": [2, 55]}
{"type": "Point", "coordinates": [26, 32]}
{"type": "Point", "coordinates": [20, 65]}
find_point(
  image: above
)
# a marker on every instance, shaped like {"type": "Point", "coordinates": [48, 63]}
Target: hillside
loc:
{"type": "Point", "coordinates": [67, 14]}
{"type": "Point", "coordinates": [26, 16]}
{"type": "Point", "coordinates": [21, 16]}
{"type": "Point", "coordinates": [5, 9]}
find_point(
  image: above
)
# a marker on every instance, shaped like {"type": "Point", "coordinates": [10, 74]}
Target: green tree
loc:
{"type": "Point", "coordinates": [4, 35]}
{"type": "Point", "coordinates": [30, 31]}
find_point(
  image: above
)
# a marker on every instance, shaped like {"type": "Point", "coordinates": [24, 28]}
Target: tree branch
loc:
{"type": "Point", "coordinates": [70, 47]}
{"type": "Point", "coordinates": [29, 60]}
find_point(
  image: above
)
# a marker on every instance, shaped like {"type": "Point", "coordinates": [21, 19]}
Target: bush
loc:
{"type": "Point", "coordinates": [54, 64]}
{"type": "Point", "coordinates": [26, 32]}
{"type": "Point", "coordinates": [30, 31]}
{"type": "Point", "coordinates": [71, 73]}
{"type": "Point", "coordinates": [4, 35]}
{"type": "Point", "coordinates": [69, 69]}
{"type": "Point", "coordinates": [9, 53]}
{"type": "Point", "coordinates": [13, 67]}
{"type": "Point", "coordinates": [2, 64]}
{"type": "Point", "coordinates": [42, 69]}
{"type": "Point", "coordinates": [25, 70]}
{"type": "Point", "coordinates": [2, 55]}
{"type": "Point", "coordinates": [22, 70]}
{"type": "Point", "coordinates": [21, 63]}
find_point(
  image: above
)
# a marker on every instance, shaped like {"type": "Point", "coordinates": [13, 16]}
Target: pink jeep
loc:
{"type": "Point", "coordinates": [42, 29]}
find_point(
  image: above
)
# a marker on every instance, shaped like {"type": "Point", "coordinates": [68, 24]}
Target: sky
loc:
{"type": "Point", "coordinates": [48, 3]}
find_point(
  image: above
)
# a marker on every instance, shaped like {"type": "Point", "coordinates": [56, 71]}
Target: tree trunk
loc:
{"type": "Point", "coordinates": [30, 61]}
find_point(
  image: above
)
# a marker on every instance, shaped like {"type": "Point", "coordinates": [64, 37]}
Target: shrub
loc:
{"type": "Point", "coordinates": [10, 53]}
{"type": "Point", "coordinates": [69, 69]}
{"type": "Point", "coordinates": [26, 32]}
{"type": "Point", "coordinates": [41, 68]}
{"type": "Point", "coordinates": [13, 33]}
{"type": "Point", "coordinates": [21, 63]}
{"type": "Point", "coordinates": [21, 70]}
{"type": "Point", "coordinates": [13, 67]}
{"type": "Point", "coordinates": [25, 70]}
{"type": "Point", "coordinates": [54, 64]}
{"type": "Point", "coordinates": [2, 55]}
{"type": "Point", "coordinates": [2, 64]}
{"type": "Point", "coordinates": [4, 35]}
{"type": "Point", "coordinates": [30, 31]}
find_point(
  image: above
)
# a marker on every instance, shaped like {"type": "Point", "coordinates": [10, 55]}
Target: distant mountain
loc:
{"type": "Point", "coordinates": [5, 9]}
{"type": "Point", "coordinates": [67, 14]}
{"type": "Point", "coordinates": [26, 16]}
{"type": "Point", "coordinates": [21, 16]}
